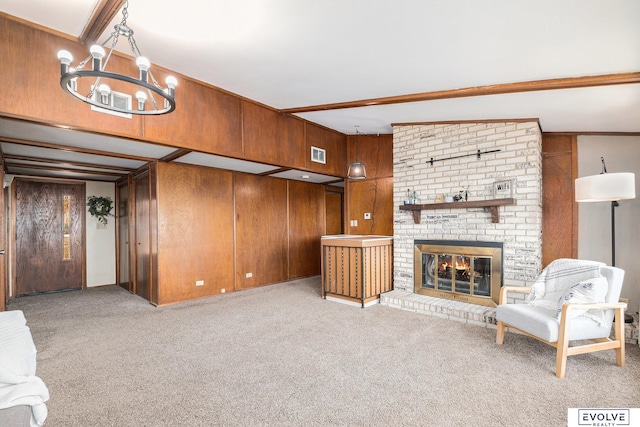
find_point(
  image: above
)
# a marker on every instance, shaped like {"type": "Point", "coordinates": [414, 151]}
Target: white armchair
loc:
{"type": "Point", "coordinates": [557, 311]}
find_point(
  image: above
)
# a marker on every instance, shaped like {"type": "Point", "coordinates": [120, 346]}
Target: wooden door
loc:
{"type": "Point", "coordinates": [124, 253]}
{"type": "Point", "coordinates": [143, 252]}
{"type": "Point", "coordinates": [49, 218]}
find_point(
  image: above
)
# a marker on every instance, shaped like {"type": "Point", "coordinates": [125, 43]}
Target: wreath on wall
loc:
{"type": "Point", "coordinates": [100, 207]}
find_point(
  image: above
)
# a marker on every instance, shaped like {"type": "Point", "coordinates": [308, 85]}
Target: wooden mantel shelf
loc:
{"type": "Point", "coordinates": [492, 205]}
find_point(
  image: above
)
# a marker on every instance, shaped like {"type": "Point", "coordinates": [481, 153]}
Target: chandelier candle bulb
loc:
{"type": "Point", "coordinates": [105, 91]}
{"type": "Point", "coordinates": [171, 82]}
{"type": "Point", "coordinates": [65, 58]}
{"type": "Point", "coordinates": [97, 52]}
{"type": "Point", "coordinates": [144, 64]}
{"type": "Point", "coordinates": [141, 97]}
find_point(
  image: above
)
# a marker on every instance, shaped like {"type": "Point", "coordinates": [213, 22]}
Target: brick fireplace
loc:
{"type": "Point", "coordinates": [514, 154]}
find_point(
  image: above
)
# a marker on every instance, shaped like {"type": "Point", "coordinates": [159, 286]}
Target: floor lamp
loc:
{"type": "Point", "coordinates": [607, 187]}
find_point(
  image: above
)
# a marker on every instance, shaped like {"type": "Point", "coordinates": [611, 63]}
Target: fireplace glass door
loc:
{"type": "Point", "coordinates": [458, 272]}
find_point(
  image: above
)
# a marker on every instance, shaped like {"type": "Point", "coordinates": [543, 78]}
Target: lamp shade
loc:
{"type": "Point", "coordinates": [606, 187]}
{"type": "Point", "coordinates": [357, 171]}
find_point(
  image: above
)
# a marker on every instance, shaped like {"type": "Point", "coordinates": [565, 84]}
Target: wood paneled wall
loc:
{"type": "Point", "coordinates": [272, 135]}
{"type": "Point", "coordinates": [559, 210]}
{"type": "Point", "coordinates": [219, 226]}
{"type": "Point", "coordinates": [306, 226]}
{"type": "Point", "coordinates": [195, 232]}
{"type": "Point", "coordinates": [31, 77]}
{"type": "Point", "coordinates": [373, 196]}
{"type": "Point", "coordinates": [376, 152]}
{"type": "Point", "coordinates": [336, 149]}
{"type": "Point", "coordinates": [206, 118]}
{"type": "Point", "coordinates": [272, 240]}
{"type": "Point", "coordinates": [261, 230]}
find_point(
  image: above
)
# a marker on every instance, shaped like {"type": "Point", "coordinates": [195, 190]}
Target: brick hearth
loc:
{"type": "Point", "coordinates": [446, 309]}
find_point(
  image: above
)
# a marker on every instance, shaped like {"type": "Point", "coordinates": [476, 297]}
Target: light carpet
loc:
{"type": "Point", "coordinates": [280, 355]}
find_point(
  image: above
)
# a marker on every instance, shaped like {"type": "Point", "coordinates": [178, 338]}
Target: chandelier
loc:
{"type": "Point", "coordinates": [92, 85]}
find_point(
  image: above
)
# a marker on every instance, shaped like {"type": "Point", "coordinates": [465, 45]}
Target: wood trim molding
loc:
{"type": "Point", "coordinates": [574, 212]}
{"type": "Point", "coordinates": [455, 122]}
{"type": "Point", "coordinates": [504, 88]}
{"type": "Point", "coordinates": [101, 16]}
{"type": "Point", "coordinates": [588, 133]}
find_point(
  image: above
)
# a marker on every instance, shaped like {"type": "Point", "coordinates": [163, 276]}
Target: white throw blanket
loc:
{"type": "Point", "coordinates": [559, 276]}
{"type": "Point", "coordinates": [18, 383]}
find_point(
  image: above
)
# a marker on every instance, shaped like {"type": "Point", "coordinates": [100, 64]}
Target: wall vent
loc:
{"type": "Point", "coordinates": [116, 99]}
{"type": "Point", "coordinates": [318, 155]}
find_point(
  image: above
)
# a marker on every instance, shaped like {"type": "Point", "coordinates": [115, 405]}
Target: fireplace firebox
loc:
{"type": "Point", "coordinates": [468, 271]}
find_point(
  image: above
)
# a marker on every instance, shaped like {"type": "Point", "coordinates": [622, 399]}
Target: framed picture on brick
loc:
{"type": "Point", "coordinates": [503, 189]}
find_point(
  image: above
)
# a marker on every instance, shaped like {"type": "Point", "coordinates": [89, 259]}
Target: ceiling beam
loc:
{"type": "Point", "coordinates": [102, 15]}
{"type": "Point", "coordinates": [274, 171]}
{"type": "Point", "coordinates": [176, 155]}
{"type": "Point", "coordinates": [62, 169]}
{"type": "Point", "coordinates": [498, 89]}
{"type": "Point", "coordinates": [75, 149]}
{"type": "Point", "coordinates": [16, 158]}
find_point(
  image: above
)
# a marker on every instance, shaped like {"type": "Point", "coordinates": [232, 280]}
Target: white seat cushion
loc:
{"type": "Point", "coordinates": [542, 323]}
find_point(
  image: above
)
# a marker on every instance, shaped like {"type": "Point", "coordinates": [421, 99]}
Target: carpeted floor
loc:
{"type": "Point", "coordinates": [280, 355]}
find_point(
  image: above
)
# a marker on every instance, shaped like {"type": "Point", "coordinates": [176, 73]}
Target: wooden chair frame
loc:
{"type": "Point", "coordinates": [562, 345]}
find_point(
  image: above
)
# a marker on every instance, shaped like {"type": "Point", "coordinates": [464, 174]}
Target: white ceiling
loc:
{"type": "Point", "coordinates": [296, 53]}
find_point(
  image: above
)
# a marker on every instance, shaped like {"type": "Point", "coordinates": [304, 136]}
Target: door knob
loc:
{"type": "Point", "coordinates": [1, 251]}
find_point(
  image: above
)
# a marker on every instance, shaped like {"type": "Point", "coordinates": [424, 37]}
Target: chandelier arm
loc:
{"type": "Point", "coordinates": [94, 86]}
{"type": "Point", "coordinates": [83, 63]}
{"type": "Point", "coordinates": [113, 45]}
{"type": "Point", "coordinates": [153, 80]}
{"type": "Point", "coordinates": [153, 99]}
{"type": "Point", "coordinates": [134, 47]}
